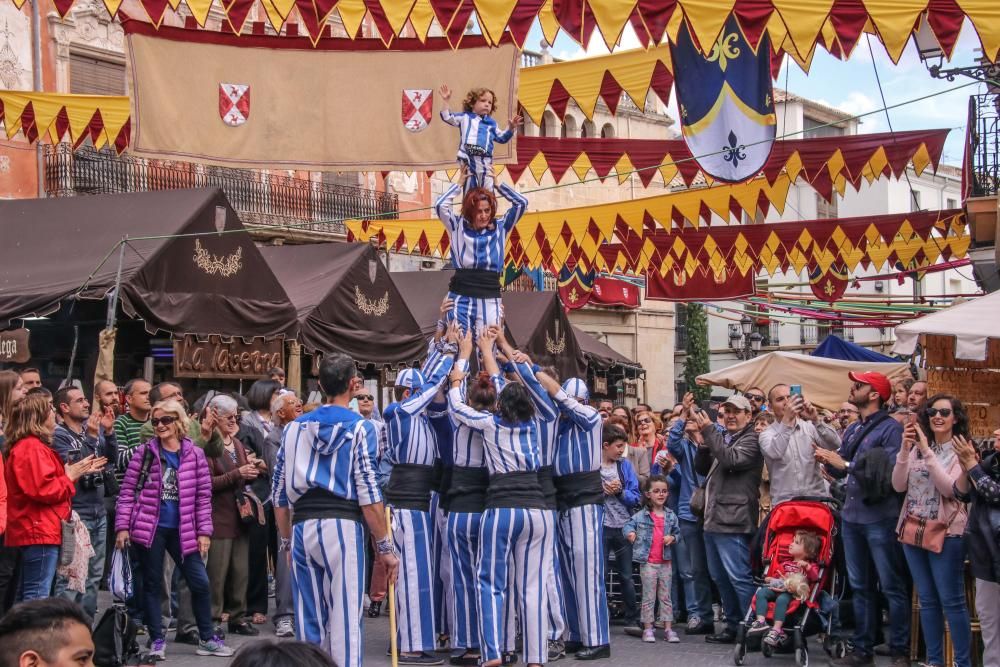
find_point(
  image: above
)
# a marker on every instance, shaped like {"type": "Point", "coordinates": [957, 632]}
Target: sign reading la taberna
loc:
{"type": "Point", "coordinates": [726, 102]}
{"type": "Point", "coordinates": [219, 357]}
{"type": "Point", "coordinates": [14, 346]}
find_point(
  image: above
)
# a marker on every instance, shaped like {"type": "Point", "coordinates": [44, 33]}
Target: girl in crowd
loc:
{"type": "Point", "coordinates": [927, 469]}
{"type": "Point", "coordinates": [232, 469]}
{"type": "Point", "coordinates": [165, 506]}
{"type": "Point", "coordinates": [516, 529]}
{"type": "Point", "coordinates": [39, 493]}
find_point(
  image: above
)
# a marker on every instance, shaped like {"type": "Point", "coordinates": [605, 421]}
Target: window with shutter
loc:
{"type": "Point", "coordinates": [94, 76]}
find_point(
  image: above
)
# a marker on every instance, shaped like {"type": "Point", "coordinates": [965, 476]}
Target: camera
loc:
{"type": "Point", "coordinates": [92, 481]}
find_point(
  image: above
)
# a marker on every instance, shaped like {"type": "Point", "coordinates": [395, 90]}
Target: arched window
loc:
{"type": "Point", "coordinates": [569, 127]}
{"type": "Point", "coordinates": [588, 130]}
{"type": "Point", "coordinates": [608, 131]}
{"type": "Point", "coordinates": [550, 125]}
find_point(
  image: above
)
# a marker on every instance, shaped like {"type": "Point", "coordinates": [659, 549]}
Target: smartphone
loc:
{"type": "Point", "coordinates": [795, 390]}
{"type": "Point", "coordinates": [912, 417]}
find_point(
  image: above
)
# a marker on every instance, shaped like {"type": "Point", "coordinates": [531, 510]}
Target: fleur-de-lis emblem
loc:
{"type": "Point", "coordinates": [734, 152]}
{"type": "Point", "coordinates": [573, 296]}
{"type": "Point", "coordinates": [723, 50]}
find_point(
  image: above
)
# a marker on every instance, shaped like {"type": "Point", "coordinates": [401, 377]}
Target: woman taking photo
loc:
{"type": "Point", "coordinates": [165, 507]}
{"type": "Point", "coordinates": [39, 491]}
{"type": "Point", "coordinates": [932, 522]}
{"type": "Point", "coordinates": [981, 486]}
{"type": "Point", "coordinates": [232, 469]}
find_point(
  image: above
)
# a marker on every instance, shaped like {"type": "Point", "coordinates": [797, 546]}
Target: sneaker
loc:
{"type": "Point", "coordinates": [633, 630]}
{"type": "Point", "coordinates": [649, 636]}
{"type": "Point", "coordinates": [757, 628]}
{"type": "Point", "coordinates": [284, 628]}
{"type": "Point", "coordinates": [695, 626]}
{"type": "Point", "coordinates": [422, 658]}
{"type": "Point", "coordinates": [172, 624]}
{"type": "Point", "coordinates": [214, 646]}
{"type": "Point", "coordinates": [853, 659]}
{"type": "Point", "coordinates": [671, 636]}
{"type": "Point", "coordinates": [557, 650]}
{"type": "Point", "coordinates": [774, 637]}
{"type": "Point", "coordinates": [157, 650]}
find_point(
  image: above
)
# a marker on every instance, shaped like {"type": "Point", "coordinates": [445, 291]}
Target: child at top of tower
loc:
{"type": "Point", "coordinates": [478, 132]}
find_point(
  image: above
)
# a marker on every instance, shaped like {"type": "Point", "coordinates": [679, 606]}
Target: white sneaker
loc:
{"type": "Point", "coordinates": [671, 637]}
{"type": "Point", "coordinates": [157, 650]}
{"type": "Point", "coordinates": [214, 646]}
{"type": "Point", "coordinates": [284, 628]}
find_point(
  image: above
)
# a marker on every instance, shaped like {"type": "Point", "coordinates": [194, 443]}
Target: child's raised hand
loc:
{"type": "Point", "coordinates": [445, 92]}
{"type": "Point", "coordinates": [516, 120]}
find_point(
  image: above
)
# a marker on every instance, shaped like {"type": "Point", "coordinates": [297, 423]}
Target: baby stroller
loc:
{"type": "Point", "coordinates": [803, 618]}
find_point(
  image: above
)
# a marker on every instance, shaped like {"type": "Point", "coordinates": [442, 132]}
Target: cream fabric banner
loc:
{"type": "Point", "coordinates": [249, 106]}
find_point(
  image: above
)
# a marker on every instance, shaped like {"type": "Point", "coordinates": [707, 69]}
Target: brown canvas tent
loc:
{"type": "Point", "coordinates": [346, 302]}
{"type": "Point", "coordinates": [190, 279]}
{"type": "Point", "coordinates": [536, 321]}
{"type": "Point", "coordinates": [599, 355]}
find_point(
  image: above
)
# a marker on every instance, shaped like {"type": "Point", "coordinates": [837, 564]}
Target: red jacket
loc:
{"type": "Point", "coordinates": [3, 499]}
{"type": "Point", "coordinates": [38, 494]}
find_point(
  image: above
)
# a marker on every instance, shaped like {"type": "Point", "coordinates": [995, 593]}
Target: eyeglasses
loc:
{"type": "Point", "coordinates": [165, 420]}
{"type": "Point", "coordinates": [934, 412]}
{"type": "Point", "coordinates": [228, 418]}
{"type": "Point", "coordinates": [647, 420]}
{"type": "Point", "coordinates": [756, 398]}
{"type": "Point", "coordinates": [365, 397]}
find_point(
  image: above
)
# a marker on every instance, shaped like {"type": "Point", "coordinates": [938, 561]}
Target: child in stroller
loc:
{"type": "Point", "coordinates": [798, 574]}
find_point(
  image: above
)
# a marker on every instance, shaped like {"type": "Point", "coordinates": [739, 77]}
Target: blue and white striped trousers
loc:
{"type": "Point", "coordinates": [480, 172]}
{"type": "Point", "coordinates": [413, 534]}
{"type": "Point", "coordinates": [443, 591]}
{"type": "Point", "coordinates": [516, 546]}
{"type": "Point", "coordinates": [554, 590]}
{"type": "Point", "coordinates": [328, 586]}
{"type": "Point", "coordinates": [581, 559]}
{"type": "Point", "coordinates": [473, 313]}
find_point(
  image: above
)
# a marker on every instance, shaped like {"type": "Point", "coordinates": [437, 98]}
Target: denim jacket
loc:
{"type": "Point", "coordinates": [641, 524]}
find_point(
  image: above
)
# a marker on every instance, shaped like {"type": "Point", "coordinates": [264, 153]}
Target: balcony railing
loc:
{"type": "Point", "coordinates": [258, 197]}
{"type": "Point", "coordinates": [984, 143]}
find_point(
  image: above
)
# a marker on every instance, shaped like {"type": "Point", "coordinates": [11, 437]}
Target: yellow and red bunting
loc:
{"type": "Point", "coordinates": [102, 119]}
{"type": "Point", "coordinates": [796, 27]}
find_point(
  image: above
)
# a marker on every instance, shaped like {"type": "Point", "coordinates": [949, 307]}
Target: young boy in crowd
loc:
{"type": "Point", "coordinates": [621, 497]}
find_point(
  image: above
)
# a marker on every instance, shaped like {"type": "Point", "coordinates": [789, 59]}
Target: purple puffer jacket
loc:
{"type": "Point", "coordinates": [194, 482]}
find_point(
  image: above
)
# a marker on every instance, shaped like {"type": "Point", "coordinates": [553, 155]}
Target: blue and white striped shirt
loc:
{"type": "Point", "coordinates": [411, 437]}
{"type": "Point", "coordinates": [579, 441]}
{"type": "Point", "coordinates": [485, 249]}
{"type": "Point", "coordinates": [478, 133]}
{"type": "Point", "coordinates": [509, 448]}
{"type": "Point", "coordinates": [330, 448]}
{"type": "Point", "coordinates": [546, 412]}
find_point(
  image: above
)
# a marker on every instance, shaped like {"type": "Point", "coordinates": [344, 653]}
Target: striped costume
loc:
{"type": "Point", "coordinates": [581, 527]}
{"type": "Point", "coordinates": [475, 147]}
{"type": "Point", "coordinates": [331, 449]}
{"type": "Point", "coordinates": [515, 539]}
{"type": "Point", "coordinates": [413, 451]}
{"type": "Point", "coordinates": [480, 251]}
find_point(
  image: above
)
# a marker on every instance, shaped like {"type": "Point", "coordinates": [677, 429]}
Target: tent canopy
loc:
{"type": "Point", "coordinates": [824, 381]}
{"type": "Point", "coordinates": [972, 323]}
{"type": "Point", "coordinates": [535, 321]}
{"type": "Point", "coordinates": [834, 347]}
{"type": "Point", "coordinates": [600, 355]}
{"type": "Point", "coordinates": [346, 302]}
{"type": "Point", "coordinates": [187, 280]}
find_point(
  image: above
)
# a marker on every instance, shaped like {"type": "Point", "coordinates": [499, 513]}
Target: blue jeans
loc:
{"type": "Point", "coordinates": [192, 567]}
{"type": "Point", "coordinates": [940, 583]}
{"type": "Point", "coordinates": [38, 571]}
{"type": "Point", "coordinates": [872, 550]}
{"type": "Point", "coordinates": [614, 541]}
{"type": "Point", "coordinates": [98, 529]}
{"type": "Point", "coordinates": [692, 566]}
{"type": "Point", "coordinates": [729, 562]}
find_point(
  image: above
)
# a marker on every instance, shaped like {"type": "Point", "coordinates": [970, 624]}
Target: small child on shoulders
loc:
{"type": "Point", "coordinates": [478, 132]}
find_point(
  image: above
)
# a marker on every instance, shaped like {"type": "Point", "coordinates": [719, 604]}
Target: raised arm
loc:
{"type": "Point", "coordinates": [444, 92]}
{"type": "Point", "coordinates": [444, 210]}
{"type": "Point", "coordinates": [744, 454]}
{"type": "Point", "coordinates": [463, 414]}
{"type": "Point", "coordinates": [518, 205]}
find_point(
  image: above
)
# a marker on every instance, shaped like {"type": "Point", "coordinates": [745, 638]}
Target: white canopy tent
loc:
{"type": "Point", "coordinates": [972, 323]}
{"type": "Point", "coordinates": [824, 381]}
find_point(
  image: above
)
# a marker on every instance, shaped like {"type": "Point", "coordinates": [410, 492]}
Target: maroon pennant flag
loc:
{"type": "Point", "coordinates": [702, 286]}
{"type": "Point", "coordinates": [831, 285]}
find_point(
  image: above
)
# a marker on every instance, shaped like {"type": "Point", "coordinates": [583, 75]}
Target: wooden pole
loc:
{"type": "Point", "coordinates": [393, 648]}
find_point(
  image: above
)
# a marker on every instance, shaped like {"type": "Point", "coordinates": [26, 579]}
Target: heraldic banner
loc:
{"type": "Point", "coordinates": [264, 101]}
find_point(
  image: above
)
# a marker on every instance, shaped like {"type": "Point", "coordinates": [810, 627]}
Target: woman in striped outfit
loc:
{"type": "Point", "coordinates": [516, 531]}
{"type": "Point", "coordinates": [478, 247]}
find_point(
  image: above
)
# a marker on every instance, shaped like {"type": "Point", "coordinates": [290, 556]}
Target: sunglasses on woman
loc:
{"type": "Point", "coordinates": [365, 397]}
{"type": "Point", "coordinates": [644, 421]}
{"type": "Point", "coordinates": [166, 420]}
{"type": "Point", "coordinates": [934, 412]}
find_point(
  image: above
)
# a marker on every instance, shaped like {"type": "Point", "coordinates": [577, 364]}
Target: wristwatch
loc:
{"type": "Point", "coordinates": [385, 546]}
{"type": "Point", "coordinates": [284, 544]}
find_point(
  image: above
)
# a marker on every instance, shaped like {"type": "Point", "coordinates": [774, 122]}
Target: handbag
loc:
{"type": "Point", "coordinates": [249, 507]}
{"type": "Point", "coordinates": [120, 576]}
{"type": "Point", "coordinates": [67, 548]}
{"type": "Point", "coordinates": [698, 499]}
{"type": "Point", "coordinates": [924, 533]}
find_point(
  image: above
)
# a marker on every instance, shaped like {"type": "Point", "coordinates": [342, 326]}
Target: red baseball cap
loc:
{"type": "Point", "coordinates": [877, 381]}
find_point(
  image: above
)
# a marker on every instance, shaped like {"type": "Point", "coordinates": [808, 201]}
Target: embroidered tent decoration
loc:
{"type": "Point", "coordinates": [225, 267]}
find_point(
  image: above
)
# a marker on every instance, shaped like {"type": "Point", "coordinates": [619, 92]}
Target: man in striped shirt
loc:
{"type": "Point", "coordinates": [324, 473]}
{"type": "Point", "coordinates": [128, 425]}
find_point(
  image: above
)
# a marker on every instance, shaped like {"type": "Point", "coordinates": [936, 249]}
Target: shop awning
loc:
{"type": "Point", "coordinates": [536, 321]}
{"type": "Point", "coordinates": [600, 355]}
{"type": "Point", "coordinates": [346, 302]}
{"type": "Point", "coordinates": [188, 265]}
{"type": "Point", "coordinates": [973, 324]}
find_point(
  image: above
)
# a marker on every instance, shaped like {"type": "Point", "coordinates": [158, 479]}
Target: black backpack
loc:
{"type": "Point", "coordinates": [115, 638]}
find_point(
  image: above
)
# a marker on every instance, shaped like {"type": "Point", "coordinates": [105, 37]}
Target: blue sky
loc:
{"type": "Point", "coordinates": [851, 85]}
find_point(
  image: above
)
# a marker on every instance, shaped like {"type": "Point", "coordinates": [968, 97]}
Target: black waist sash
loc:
{"type": "Point", "coordinates": [321, 504]}
{"type": "Point", "coordinates": [410, 487]}
{"type": "Point", "coordinates": [515, 490]}
{"type": "Point", "coordinates": [545, 480]}
{"type": "Point", "coordinates": [579, 489]}
{"type": "Point", "coordinates": [477, 283]}
{"type": "Point", "coordinates": [467, 492]}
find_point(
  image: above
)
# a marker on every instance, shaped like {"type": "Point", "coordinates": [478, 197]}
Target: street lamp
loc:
{"type": "Point", "coordinates": [932, 56]}
{"type": "Point", "coordinates": [747, 344]}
